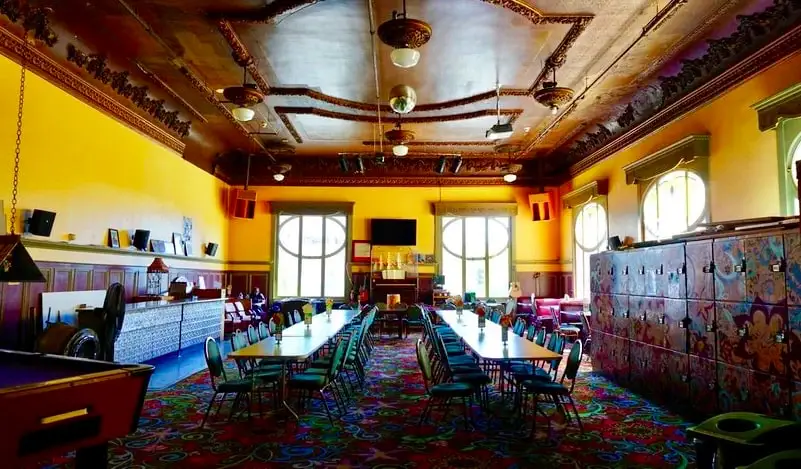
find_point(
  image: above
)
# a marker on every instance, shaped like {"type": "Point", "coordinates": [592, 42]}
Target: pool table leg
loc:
{"type": "Point", "coordinates": [92, 457]}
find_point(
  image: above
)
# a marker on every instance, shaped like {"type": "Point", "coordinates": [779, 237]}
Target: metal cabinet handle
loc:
{"type": "Point", "coordinates": [662, 319]}
{"type": "Point", "coordinates": [682, 270]}
{"type": "Point", "coordinates": [711, 386]}
{"type": "Point", "coordinates": [777, 266]}
{"type": "Point", "coordinates": [780, 338]}
{"type": "Point", "coordinates": [743, 331]}
{"type": "Point", "coordinates": [708, 269]}
{"type": "Point", "coordinates": [660, 270]}
{"type": "Point", "coordinates": [710, 327]}
{"type": "Point", "coordinates": [740, 267]}
{"type": "Point", "coordinates": [641, 270]}
{"type": "Point", "coordinates": [642, 317]}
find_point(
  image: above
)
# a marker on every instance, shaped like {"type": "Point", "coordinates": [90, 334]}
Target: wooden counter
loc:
{"type": "Point", "coordinates": [155, 328]}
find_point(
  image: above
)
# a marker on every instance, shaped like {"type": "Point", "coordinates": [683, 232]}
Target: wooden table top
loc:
{"type": "Point", "coordinates": [487, 344]}
{"type": "Point", "coordinates": [297, 343]}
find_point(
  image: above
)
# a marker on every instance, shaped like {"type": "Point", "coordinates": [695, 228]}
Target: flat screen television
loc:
{"type": "Point", "coordinates": [393, 232]}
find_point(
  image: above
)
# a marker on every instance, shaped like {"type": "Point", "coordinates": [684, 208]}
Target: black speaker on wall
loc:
{"type": "Point", "coordinates": [614, 243]}
{"type": "Point", "coordinates": [41, 222]}
{"type": "Point", "coordinates": [211, 249]}
{"type": "Point", "coordinates": [141, 238]}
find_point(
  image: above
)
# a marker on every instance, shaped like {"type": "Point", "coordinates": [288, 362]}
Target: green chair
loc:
{"type": "Point", "coordinates": [440, 395]}
{"type": "Point", "coordinates": [309, 382]}
{"type": "Point", "coordinates": [264, 333]}
{"type": "Point", "coordinates": [560, 394]}
{"type": "Point", "coordinates": [741, 438]}
{"type": "Point", "coordinates": [414, 317]}
{"type": "Point", "coordinates": [783, 460]}
{"type": "Point", "coordinates": [531, 333]}
{"type": "Point", "coordinates": [540, 339]}
{"type": "Point", "coordinates": [220, 384]}
{"type": "Point", "coordinates": [253, 336]}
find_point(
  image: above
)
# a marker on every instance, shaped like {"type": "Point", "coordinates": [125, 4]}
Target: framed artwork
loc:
{"type": "Point", "coordinates": [113, 238]}
{"type": "Point", "coordinates": [158, 246]}
{"type": "Point", "coordinates": [360, 251]}
{"type": "Point", "coordinates": [187, 229]}
{"type": "Point", "coordinates": [178, 242]}
{"type": "Point", "coordinates": [187, 248]}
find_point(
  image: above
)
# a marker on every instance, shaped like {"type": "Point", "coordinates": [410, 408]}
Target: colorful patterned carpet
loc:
{"type": "Point", "coordinates": [380, 432]}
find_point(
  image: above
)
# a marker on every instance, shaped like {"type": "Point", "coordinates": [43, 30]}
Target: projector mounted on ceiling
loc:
{"type": "Point", "coordinates": [500, 131]}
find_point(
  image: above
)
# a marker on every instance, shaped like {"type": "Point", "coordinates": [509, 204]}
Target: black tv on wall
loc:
{"type": "Point", "coordinates": [393, 232]}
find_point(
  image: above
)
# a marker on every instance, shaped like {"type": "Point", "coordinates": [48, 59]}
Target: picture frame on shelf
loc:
{"type": "Point", "coordinates": [158, 246]}
{"type": "Point", "coordinates": [178, 244]}
{"type": "Point", "coordinates": [113, 238]}
{"type": "Point", "coordinates": [187, 248]}
{"type": "Point", "coordinates": [360, 251]}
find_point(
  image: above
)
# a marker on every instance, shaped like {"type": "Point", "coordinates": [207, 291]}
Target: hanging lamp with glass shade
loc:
{"type": "Point", "coordinates": [405, 36]}
{"type": "Point", "coordinates": [552, 96]}
{"type": "Point", "coordinates": [16, 263]}
{"type": "Point", "coordinates": [244, 97]}
{"type": "Point", "coordinates": [399, 137]}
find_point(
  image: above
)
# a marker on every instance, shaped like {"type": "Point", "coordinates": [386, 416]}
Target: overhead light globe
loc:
{"type": "Point", "coordinates": [405, 57]}
{"type": "Point", "coordinates": [278, 177]}
{"type": "Point", "coordinates": [402, 99]}
{"type": "Point", "coordinates": [400, 150]}
{"type": "Point", "coordinates": [243, 114]}
{"type": "Point", "coordinates": [510, 177]}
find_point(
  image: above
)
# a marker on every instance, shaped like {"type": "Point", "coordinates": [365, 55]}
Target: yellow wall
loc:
{"type": "Point", "coordinates": [743, 174]}
{"type": "Point", "coordinates": [96, 173]}
{"type": "Point", "coordinates": [535, 242]}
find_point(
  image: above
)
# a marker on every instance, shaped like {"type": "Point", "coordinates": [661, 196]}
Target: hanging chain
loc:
{"type": "Point", "coordinates": [18, 143]}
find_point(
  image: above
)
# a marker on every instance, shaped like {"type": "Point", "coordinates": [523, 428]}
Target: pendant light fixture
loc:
{"type": "Point", "coordinates": [552, 96]}
{"type": "Point", "coordinates": [405, 36]}
{"type": "Point", "coordinates": [244, 97]}
{"type": "Point", "coordinates": [16, 264]}
{"type": "Point", "coordinates": [399, 138]}
{"type": "Point", "coordinates": [510, 172]}
{"type": "Point", "coordinates": [499, 131]}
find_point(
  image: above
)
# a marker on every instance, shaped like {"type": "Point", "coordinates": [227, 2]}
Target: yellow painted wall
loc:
{"type": "Point", "coordinates": [535, 241]}
{"type": "Point", "coordinates": [743, 179]}
{"type": "Point", "coordinates": [97, 173]}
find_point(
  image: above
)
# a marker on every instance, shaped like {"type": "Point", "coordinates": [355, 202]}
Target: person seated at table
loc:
{"type": "Point", "coordinates": [257, 300]}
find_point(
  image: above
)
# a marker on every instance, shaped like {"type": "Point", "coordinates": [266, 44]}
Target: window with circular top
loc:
{"type": "Point", "coordinates": [476, 255]}
{"type": "Point", "coordinates": [311, 255]}
{"type": "Point", "coordinates": [674, 203]}
{"type": "Point", "coordinates": [590, 231]}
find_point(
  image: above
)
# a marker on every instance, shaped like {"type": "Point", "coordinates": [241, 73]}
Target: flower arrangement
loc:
{"type": "Point", "coordinates": [458, 303]}
{"type": "Point", "coordinates": [329, 305]}
{"type": "Point", "coordinates": [506, 323]}
{"type": "Point", "coordinates": [278, 320]}
{"type": "Point", "coordinates": [481, 312]}
{"type": "Point", "coordinates": [308, 313]}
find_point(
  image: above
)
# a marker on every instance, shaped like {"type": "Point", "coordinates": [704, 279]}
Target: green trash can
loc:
{"type": "Point", "coordinates": [782, 460]}
{"type": "Point", "coordinates": [729, 440]}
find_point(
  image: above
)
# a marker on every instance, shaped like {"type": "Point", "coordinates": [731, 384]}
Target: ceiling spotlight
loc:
{"type": "Point", "coordinates": [359, 165]}
{"type": "Point", "coordinates": [243, 114]}
{"type": "Point", "coordinates": [457, 165]}
{"type": "Point", "coordinates": [220, 90]}
{"type": "Point", "coordinates": [499, 131]}
{"type": "Point", "coordinates": [440, 167]}
{"type": "Point", "coordinates": [404, 57]}
{"type": "Point", "coordinates": [278, 177]}
{"type": "Point", "coordinates": [343, 164]}
{"type": "Point", "coordinates": [510, 177]}
{"type": "Point", "coordinates": [379, 159]}
{"type": "Point", "coordinates": [400, 150]}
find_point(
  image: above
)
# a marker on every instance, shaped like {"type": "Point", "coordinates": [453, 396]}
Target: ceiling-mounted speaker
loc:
{"type": "Point", "coordinates": [211, 249]}
{"type": "Point", "coordinates": [542, 205]}
{"type": "Point", "coordinates": [244, 204]}
{"type": "Point", "coordinates": [140, 239]}
{"type": "Point", "coordinates": [41, 222]}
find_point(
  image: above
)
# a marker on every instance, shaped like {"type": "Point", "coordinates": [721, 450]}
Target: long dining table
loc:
{"type": "Point", "coordinates": [298, 343]}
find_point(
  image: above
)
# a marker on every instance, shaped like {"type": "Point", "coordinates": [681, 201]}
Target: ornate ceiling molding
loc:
{"type": "Point", "coordinates": [672, 156]}
{"type": "Point", "coordinates": [284, 111]}
{"type": "Point", "coordinates": [95, 64]}
{"type": "Point", "coordinates": [34, 20]}
{"type": "Point", "coordinates": [761, 40]}
{"type": "Point", "coordinates": [585, 193]}
{"type": "Point", "coordinates": [15, 48]}
{"type": "Point", "coordinates": [392, 181]}
{"type": "Point", "coordinates": [171, 92]}
{"type": "Point", "coordinates": [466, 143]}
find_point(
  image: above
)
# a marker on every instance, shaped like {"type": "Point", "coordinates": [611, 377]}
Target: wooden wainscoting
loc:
{"type": "Point", "coordinates": [546, 284]}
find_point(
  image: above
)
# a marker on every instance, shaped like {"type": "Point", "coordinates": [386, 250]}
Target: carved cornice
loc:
{"type": "Point", "coordinates": [683, 151]}
{"type": "Point", "coordinates": [95, 64]}
{"type": "Point", "coordinates": [15, 48]}
{"type": "Point", "coordinates": [769, 55]}
{"type": "Point", "coordinates": [480, 209]}
{"type": "Point", "coordinates": [32, 19]}
{"type": "Point", "coordinates": [466, 143]}
{"type": "Point", "coordinates": [784, 105]}
{"type": "Point", "coordinates": [394, 181]}
{"type": "Point", "coordinates": [727, 62]}
{"type": "Point", "coordinates": [171, 93]}
{"type": "Point", "coordinates": [585, 193]}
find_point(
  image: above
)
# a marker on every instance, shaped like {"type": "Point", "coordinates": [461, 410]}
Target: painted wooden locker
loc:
{"type": "Point", "coordinates": [672, 283]}
{"type": "Point", "coordinates": [621, 323]}
{"type": "Point", "coordinates": [741, 389]}
{"type": "Point", "coordinates": [652, 312]}
{"type": "Point", "coordinates": [703, 385]}
{"type": "Point", "coordinates": [700, 270]}
{"type": "Point", "coordinates": [619, 272]}
{"type": "Point", "coordinates": [595, 273]}
{"type": "Point", "coordinates": [766, 338]}
{"type": "Point", "coordinates": [792, 251]}
{"type": "Point", "coordinates": [642, 365]}
{"type": "Point", "coordinates": [674, 378]}
{"type": "Point", "coordinates": [606, 275]}
{"type": "Point", "coordinates": [794, 342]}
{"type": "Point", "coordinates": [701, 328]}
{"type": "Point", "coordinates": [636, 277]}
{"type": "Point", "coordinates": [654, 270]}
{"type": "Point", "coordinates": [637, 318]}
{"type": "Point", "coordinates": [764, 260]}
{"type": "Point", "coordinates": [732, 323]}
{"type": "Point", "coordinates": [674, 325]}
{"type": "Point", "coordinates": [620, 359]}
{"type": "Point", "coordinates": [601, 312]}
{"type": "Point", "coordinates": [729, 258]}
{"type": "Point", "coordinates": [600, 352]}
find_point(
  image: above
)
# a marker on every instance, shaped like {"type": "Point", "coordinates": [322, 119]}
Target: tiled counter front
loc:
{"type": "Point", "coordinates": [154, 329]}
{"type": "Point", "coordinates": [708, 326]}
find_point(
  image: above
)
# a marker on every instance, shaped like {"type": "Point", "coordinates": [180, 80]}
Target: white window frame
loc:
{"type": "Point", "coordinates": [580, 251]}
{"type": "Point", "coordinates": [652, 185]}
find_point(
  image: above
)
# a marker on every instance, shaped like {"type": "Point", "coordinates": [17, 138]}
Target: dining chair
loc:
{"type": "Point", "coordinates": [440, 394]}
{"type": "Point", "coordinates": [221, 384]}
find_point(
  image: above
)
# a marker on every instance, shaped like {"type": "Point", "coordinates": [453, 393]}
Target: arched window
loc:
{"type": "Point", "coordinates": [590, 238]}
{"type": "Point", "coordinates": [674, 203]}
{"type": "Point", "coordinates": [476, 255]}
{"type": "Point", "coordinates": [795, 156]}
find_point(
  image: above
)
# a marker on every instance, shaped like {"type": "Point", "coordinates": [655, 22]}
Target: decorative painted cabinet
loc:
{"type": "Point", "coordinates": [711, 325]}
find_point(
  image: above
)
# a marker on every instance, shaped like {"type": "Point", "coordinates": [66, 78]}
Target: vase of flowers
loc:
{"type": "Point", "coordinates": [329, 306]}
{"type": "Point", "coordinates": [278, 320]}
{"type": "Point", "coordinates": [308, 314]}
{"type": "Point", "coordinates": [481, 312]}
{"type": "Point", "coordinates": [459, 304]}
{"type": "Point", "coordinates": [506, 323]}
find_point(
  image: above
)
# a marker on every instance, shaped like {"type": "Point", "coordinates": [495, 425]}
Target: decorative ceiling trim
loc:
{"type": "Point", "coordinates": [171, 92]}
{"type": "Point", "coordinates": [14, 48]}
{"type": "Point", "coordinates": [761, 40]}
{"type": "Point", "coordinates": [466, 143]}
{"type": "Point", "coordinates": [684, 151]}
{"type": "Point", "coordinates": [472, 209]}
{"type": "Point", "coordinates": [585, 193]}
{"type": "Point", "coordinates": [394, 181]}
{"type": "Point", "coordinates": [284, 112]}
{"type": "Point", "coordinates": [95, 64]}
{"type": "Point", "coordinates": [311, 208]}
{"type": "Point", "coordinates": [784, 105]}
{"type": "Point", "coordinates": [34, 20]}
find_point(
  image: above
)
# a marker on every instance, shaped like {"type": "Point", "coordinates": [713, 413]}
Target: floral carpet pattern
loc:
{"type": "Point", "coordinates": [380, 431]}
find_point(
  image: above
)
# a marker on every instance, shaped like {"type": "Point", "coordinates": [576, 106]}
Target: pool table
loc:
{"type": "Point", "coordinates": [51, 405]}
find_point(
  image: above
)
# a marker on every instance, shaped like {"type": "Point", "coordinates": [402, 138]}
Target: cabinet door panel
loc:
{"type": "Point", "coordinates": [595, 273]}
{"type": "Point", "coordinates": [732, 321]}
{"type": "Point", "coordinates": [602, 312]}
{"type": "Point", "coordinates": [702, 328]}
{"type": "Point", "coordinates": [621, 360]}
{"type": "Point", "coordinates": [653, 271]}
{"type": "Point", "coordinates": [641, 363]}
{"type": "Point", "coordinates": [734, 388]}
{"type": "Point", "coordinates": [618, 280]}
{"type": "Point", "coordinates": [675, 325]}
{"type": "Point", "coordinates": [674, 275]}
{"type": "Point", "coordinates": [794, 339]}
{"type": "Point", "coordinates": [653, 314]}
{"type": "Point", "coordinates": [599, 352]}
{"type": "Point", "coordinates": [636, 264]}
{"type": "Point", "coordinates": [769, 394]}
{"type": "Point", "coordinates": [700, 273]}
{"type": "Point", "coordinates": [605, 279]}
{"type": "Point", "coordinates": [766, 338]}
{"type": "Point", "coordinates": [729, 258]}
{"type": "Point", "coordinates": [765, 270]}
{"type": "Point", "coordinates": [703, 385]}
{"type": "Point", "coordinates": [620, 315]}
{"type": "Point", "coordinates": [673, 378]}
{"type": "Point", "coordinates": [637, 308]}
{"type": "Point", "coordinates": [792, 250]}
